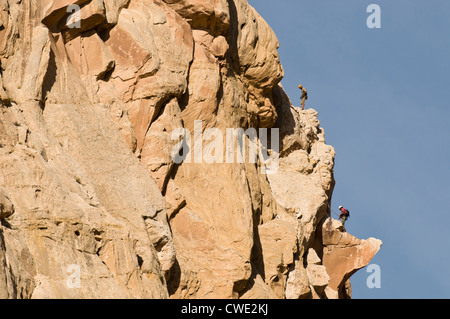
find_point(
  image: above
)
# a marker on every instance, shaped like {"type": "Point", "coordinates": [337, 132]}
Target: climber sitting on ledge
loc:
{"type": "Point", "coordinates": [345, 214]}
{"type": "Point", "coordinates": [304, 96]}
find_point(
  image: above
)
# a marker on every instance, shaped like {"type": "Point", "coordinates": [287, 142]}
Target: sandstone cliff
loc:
{"type": "Point", "coordinates": [87, 174]}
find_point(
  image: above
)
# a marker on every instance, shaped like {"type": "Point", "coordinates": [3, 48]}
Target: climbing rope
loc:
{"type": "Point", "coordinates": [333, 211]}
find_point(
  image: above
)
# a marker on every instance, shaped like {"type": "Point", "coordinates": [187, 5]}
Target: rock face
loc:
{"type": "Point", "coordinates": [94, 204]}
{"type": "Point", "coordinates": [343, 255]}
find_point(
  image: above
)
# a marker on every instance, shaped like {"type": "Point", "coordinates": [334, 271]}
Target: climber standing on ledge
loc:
{"type": "Point", "coordinates": [304, 96]}
{"type": "Point", "coordinates": [345, 214]}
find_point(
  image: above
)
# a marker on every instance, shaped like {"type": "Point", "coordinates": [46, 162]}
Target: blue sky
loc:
{"type": "Point", "coordinates": [383, 99]}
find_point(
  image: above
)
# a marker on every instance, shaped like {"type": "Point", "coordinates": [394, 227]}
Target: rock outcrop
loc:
{"type": "Point", "coordinates": [92, 94]}
{"type": "Point", "coordinates": [343, 255]}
